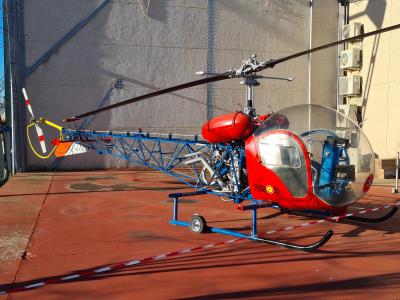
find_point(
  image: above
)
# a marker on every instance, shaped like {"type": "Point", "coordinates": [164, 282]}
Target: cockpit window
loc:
{"type": "Point", "coordinates": [278, 151]}
{"type": "Point", "coordinates": [281, 153]}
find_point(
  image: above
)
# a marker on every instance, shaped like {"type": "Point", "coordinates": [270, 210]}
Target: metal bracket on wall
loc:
{"type": "Point", "coordinates": [117, 84]}
{"type": "Point", "coordinates": [66, 38]}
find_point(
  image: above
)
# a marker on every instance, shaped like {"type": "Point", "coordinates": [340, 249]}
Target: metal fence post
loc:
{"type": "Point", "coordinates": [210, 57]}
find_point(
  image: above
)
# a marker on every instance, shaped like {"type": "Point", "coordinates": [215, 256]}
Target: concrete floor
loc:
{"type": "Point", "coordinates": [67, 222]}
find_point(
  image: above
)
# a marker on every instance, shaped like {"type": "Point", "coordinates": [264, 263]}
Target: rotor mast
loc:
{"type": "Point", "coordinates": [250, 82]}
{"type": "Point", "coordinates": [248, 71]}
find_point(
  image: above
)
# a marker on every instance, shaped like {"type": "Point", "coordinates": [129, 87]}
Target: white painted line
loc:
{"type": "Point", "coordinates": [70, 277]}
{"type": "Point", "coordinates": [230, 241]}
{"type": "Point", "coordinates": [132, 262]}
{"type": "Point", "coordinates": [185, 251]}
{"type": "Point", "coordinates": [105, 269]}
{"type": "Point", "coordinates": [161, 256]}
{"type": "Point", "coordinates": [34, 285]}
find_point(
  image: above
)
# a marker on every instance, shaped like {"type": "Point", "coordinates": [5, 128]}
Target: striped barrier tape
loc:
{"type": "Point", "coordinates": [135, 262]}
{"type": "Point", "coordinates": [334, 219]}
{"type": "Point", "coordinates": [114, 267]}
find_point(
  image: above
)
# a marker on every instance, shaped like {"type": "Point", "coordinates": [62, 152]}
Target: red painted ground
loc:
{"type": "Point", "coordinates": [90, 219]}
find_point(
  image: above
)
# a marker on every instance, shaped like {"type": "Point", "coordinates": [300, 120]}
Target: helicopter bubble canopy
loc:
{"type": "Point", "coordinates": [341, 164]}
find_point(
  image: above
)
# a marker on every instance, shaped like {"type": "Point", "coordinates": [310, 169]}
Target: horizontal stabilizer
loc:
{"type": "Point", "coordinates": [69, 148]}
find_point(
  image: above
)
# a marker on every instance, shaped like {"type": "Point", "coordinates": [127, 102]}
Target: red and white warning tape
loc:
{"type": "Point", "coordinates": [113, 267]}
{"type": "Point", "coordinates": [335, 219]}
{"type": "Point", "coordinates": [135, 262]}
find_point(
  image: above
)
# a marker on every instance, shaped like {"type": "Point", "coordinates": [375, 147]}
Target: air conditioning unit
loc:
{"type": "Point", "coordinates": [350, 86]}
{"type": "Point", "coordinates": [352, 29]}
{"type": "Point", "coordinates": [350, 111]}
{"type": "Point", "coordinates": [351, 59]}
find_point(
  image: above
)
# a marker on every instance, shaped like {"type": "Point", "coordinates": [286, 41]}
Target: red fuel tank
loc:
{"type": "Point", "coordinates": [227, 128]}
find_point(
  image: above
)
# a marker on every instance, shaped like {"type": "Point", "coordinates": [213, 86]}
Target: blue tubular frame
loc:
{"type": "Point", "coordinates": [165, 153]}
{"type": "Point", "coordinates": [143, 149]}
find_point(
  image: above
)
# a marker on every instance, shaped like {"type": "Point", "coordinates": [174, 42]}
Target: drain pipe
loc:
{"type": "Point", "coordinates": [309, 55]}
{"type": "Point", "coordinates": [309, 70]}
{"type": "Point", "coordinates": [395, 190]}
{"type": "Point", "coordinates": [7, 14]}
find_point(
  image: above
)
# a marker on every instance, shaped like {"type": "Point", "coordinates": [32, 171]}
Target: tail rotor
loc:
{"type": "Point", "coordinates": [39, 130]}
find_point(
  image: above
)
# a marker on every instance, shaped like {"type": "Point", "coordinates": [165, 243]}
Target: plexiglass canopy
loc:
{"type": "Point", "coordinates": [342, 160]}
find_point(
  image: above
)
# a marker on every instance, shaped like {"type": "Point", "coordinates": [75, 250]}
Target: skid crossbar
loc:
{"type": "Point", "coordinates": [253, 207]}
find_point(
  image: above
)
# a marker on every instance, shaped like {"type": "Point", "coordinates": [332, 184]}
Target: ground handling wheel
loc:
{"type": "Point", "coordinates": [198, 224]}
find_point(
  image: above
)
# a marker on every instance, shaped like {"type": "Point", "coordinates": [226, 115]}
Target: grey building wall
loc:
{"type": "Point", "coordinates": [324, 70]}
{"type": "Point", "coordinates": [163, 49]}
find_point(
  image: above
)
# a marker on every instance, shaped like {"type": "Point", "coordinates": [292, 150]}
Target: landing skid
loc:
{"type": "Point", "coordinates": [374, 220]}
{"type": "Point", "coordinates": [355, 217]}
{"type": "Point", "coordinates": [198, 225]}
{"type": "Point", "coordinates": [310, 247]}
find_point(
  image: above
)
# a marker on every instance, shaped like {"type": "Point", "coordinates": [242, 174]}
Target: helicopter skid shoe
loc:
{"type": "Point", "coordinates": [310, 247]}
{"type": "Point", "coordinates": [390, 214]}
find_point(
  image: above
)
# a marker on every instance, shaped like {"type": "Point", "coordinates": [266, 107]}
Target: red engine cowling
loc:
{"type": "Point", "coordinates": [227, 128]}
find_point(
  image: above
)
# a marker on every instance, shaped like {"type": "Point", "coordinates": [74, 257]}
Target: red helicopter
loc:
{"type": "Point", "coordinates": [305, 158]}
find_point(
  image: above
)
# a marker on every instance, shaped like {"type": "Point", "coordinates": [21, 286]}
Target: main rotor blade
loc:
{"type": "Point", "coordinates": [153, 94]}
{"type": "Point", "coordinates": [274, 62]}
{"type": "Point", "coordinates": [227, 75]}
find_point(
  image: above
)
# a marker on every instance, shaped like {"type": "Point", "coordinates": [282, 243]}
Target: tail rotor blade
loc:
{"type": "Point", "coordinates": [39, 130]}
{"type": "Point", "coordinates": [41, 138]}
{"type": "Point", "coordinates": [28, 103]}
